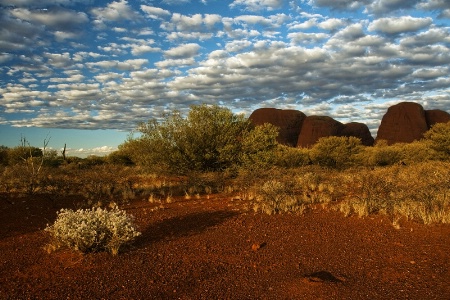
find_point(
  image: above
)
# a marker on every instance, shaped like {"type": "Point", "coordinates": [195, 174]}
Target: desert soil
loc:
{"type": "Point", "coordinates": [218, 248]}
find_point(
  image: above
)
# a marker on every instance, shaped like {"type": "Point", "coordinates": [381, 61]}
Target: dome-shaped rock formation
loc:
{"type": "Point", "coordinates": [403, 123]}
{"type": "Point", "coordinates": [289, 122]}
{"type": "Point", "coordinates": [358, 130]}
{"type": "Point", "coordinates": [315, 127]}
{"type": "Point", "coordinates": [436, 116]}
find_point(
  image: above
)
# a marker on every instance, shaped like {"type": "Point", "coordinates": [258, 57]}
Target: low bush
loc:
{"type": "Point", "coordinates": [336, 152]}
{"type": "Point", "coordinates": [416, 192]}
{"type": "Point", "coordinates": [276, 197]}
{"type": "Point", "coordinates": [91, 230]}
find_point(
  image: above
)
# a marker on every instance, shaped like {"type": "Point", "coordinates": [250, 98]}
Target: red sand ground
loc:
{"type": "Point", "coordinates": [219, 249]}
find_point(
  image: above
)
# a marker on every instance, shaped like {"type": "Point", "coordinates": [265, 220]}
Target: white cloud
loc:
{"type": "Point", "coordinates": [201, 36]}
{"type": "Point", "coordinates": [110, 76]}
{"type": "Point", "coordinates": [175, 63]}
{"type": "Point", "coordinates": [439, 5]}
{"type": "Point", "coordinates": [304, 25]}
{"type": "Point", "coordinates": [4, 57]}
{"type": "Point", "coordinates": [141, 49]}
{"type": "Point", "coordinates": [211, 19]}
{"type": "Point", "coordinates": [176, 2]}
{"type": "Point", "coordinates": [339, 4]}
{"type": "Point", "coordinates": [331, 24]}
{"type": "Point", "coordinates": [397, 25]}
{"type": "Point", "coordinates": [42, 3]}
{"type": "Point", "coordinates": [387, 6]}
{"type": "Point", "coordinates": [257, 5]}
{"type": "Point", "coordinates": [155, 12]}
{"type": "Point", "coordinates": [431, 36]}
{"type": "Point", "coordinates": [114, 11]}
{"type": "Point", "coordinates": [298, 58]}
{"type": "Point", "coordinates": [430, 73]}
{"type": "Point", "coordinates": [183, 51]}
{"type": "Point", "coordinates": [185, 23]}
{"type": "Point", "coordinates": [301, 37]}
{"type": "Point", "coordinates": [237, 46]}
{"type": "Point", "coordinates": [59, 19]}
{"type": "Point", "coordinates": [64, 35]}
{"type": "Point", "coordinates": [58, 60]}
{"type": "Point", "coordinates": [127, 65]}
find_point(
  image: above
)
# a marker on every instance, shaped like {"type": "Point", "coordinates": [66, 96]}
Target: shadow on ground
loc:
{"type": "Point", "coordinates": [181, 226]}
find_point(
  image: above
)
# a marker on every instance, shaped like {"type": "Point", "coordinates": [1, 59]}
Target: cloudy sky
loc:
{"type": "Point", "coordinates": [85, 72]}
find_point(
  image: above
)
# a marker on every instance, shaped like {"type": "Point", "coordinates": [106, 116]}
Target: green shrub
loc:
{"type": "Point", "coordinates": [205, 141]}
{"type": "Point", "coordinates": [382, 154]}
{"type": "Point", "coordinates": [22, 153]}
{"type": "Point", "coordinates": [289, 157]}
{"type": "Point", "coordinates": [208, 139]}
{"type": "Point", "coordinates": [93, 230]}
{"type": "Point", "coordinates": [275, 197]}
{"type": "Point", "coordinates": [258, 147]}
{"type": "Point", "coordinates": [439, 137]}
{"type": "Point", "coordinates": [417, 152]}
{"type": "Point", "coordinates": [315, 188]}
{"type": "Point", "coordinates": [336, 152]}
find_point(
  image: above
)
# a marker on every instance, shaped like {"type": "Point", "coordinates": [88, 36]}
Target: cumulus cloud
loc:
{"type": "Point", "coordinates": [42, 3]}
{"type": "Point", "coordinates": [340, 4]}
{"type": "Point", "coordinates": [155, 12]}
{"type": "Point", "coordinates": [185, 23]}
{"type": "Point", "coordinates": [114, 11]}
{"type": "Point", "coordinates": [4, 57]}
{"type": "Point", "coordinates": [440, 5]}
{"type": "Point", "coordinates": [272, 54]}
{"type": "Point", "coordinates": [397, 25]}
{"type": "Point", "coordinates": [127, 65]}
{"type": "Point", "coordinates": [17, 34]}
{"type": "Point", "coordinates": [59, 60]}
{"type": "Point", "coordinates": [175, 2]}
{"type": "Point", "coordinates": [61, 19]}
{"type": "Point", "coordinates": [183, 51]}
{"type": "Point", "coordinates": [387, 6]}
{"type": "Point", "coordinates": [257, 5]}
{"type": "Point", "coordinates": [301, 37]}
{"type": "Point", "coordinates": [331, 24]}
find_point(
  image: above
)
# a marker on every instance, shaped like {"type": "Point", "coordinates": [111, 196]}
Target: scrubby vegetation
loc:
{"type": "Point", "coordinates": [212, 150]}
{"type": "Point", "coordinates": [89, 230]}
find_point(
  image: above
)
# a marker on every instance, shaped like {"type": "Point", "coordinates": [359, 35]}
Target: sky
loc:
{"type": "Point", "coordinates": [85, 73]}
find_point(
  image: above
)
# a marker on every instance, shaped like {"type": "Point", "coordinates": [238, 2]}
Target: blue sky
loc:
{"type": "Point", "coordinates": [86, 72]}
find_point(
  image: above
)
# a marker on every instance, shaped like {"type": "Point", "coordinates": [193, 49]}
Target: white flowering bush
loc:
{"type": "Point", "coordinates": [96, 229]}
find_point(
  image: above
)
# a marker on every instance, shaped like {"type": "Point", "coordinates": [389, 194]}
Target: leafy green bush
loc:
{"type": "Point", "coordinates": [289, 157]}
{"type": "Point", "coordinates": [382, 154]}
{"type": "Point", "coordinates": [22, 153]}
{"type": "Point", "coordinates": [258, 147]}
{"type": "Point", "coordinates": [439, 137]}
{"type": "Point", "coordinates": [336, 152]}
{"type": "Point", "coordinates": [93, 230]}
{"type": "Point", "coordinates": [208, 139]}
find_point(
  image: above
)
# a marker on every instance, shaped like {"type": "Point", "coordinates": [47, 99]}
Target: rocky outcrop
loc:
{"type": "Point", "coordinates": [403, 123]}
{"type": "Point", "coordinates": [436, 116]}
{"type": "Point", "coordinates": [289, 122]}
{"type": "Point", "coordinates": [358, 130]}
{"type": "Point", "coordinates": [315, 127]}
